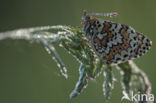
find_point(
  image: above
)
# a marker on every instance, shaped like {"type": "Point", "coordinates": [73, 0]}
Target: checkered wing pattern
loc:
{"type": "Point", "coordinates": [115, 43]}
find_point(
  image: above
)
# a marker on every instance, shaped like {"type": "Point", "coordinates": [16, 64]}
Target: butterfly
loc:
{"type": "Point", "coordinates": [114, 42]}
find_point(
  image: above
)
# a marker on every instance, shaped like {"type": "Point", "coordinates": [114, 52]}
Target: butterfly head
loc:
{"type": "Point", "coordinates": [86, 22]}
{"type": "Point", "coordinates": [86, 17]}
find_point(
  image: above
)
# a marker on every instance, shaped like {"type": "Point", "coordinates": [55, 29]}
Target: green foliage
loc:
{"type": "Point", "coordinates": [76, 44]}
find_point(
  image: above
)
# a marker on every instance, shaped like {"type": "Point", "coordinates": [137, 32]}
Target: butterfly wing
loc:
{"type": "Point", "coordinates": [144, 45]}
{"type": "Point", "coordinates": [115, 43]}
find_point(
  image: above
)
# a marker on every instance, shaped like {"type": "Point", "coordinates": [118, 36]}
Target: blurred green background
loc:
{"type": "Point", "coordinates": [27, 72]}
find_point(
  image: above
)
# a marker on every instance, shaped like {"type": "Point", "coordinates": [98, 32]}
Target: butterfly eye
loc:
{"type": "Point", "coordinates": [86, 18]}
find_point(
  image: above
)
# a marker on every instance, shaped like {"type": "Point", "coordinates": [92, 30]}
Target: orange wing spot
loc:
{"type": "Point", "coordinates": [110, 57]}
{"type": "Point", "coordinates": [137, 51]}
{"type": "Point", "coordinates": [123, 31]}
{"type": "Point", "coordinates": [137, 33]}
{"type": "Point", "coordinates": [92, 19]}
{"type": "Point", "coordinates": [104, 42]}
{"type": "Point", "coordinates": [97, 41]}
{"type": "Point", "coordinates": [119, 47]}
{"type": "Point", "coordinates": [113, 50]}
{"type": "Point", "coordinates": [126, 39]}
{"type": "Point", "coordinates": [105, 28]}
{"type": "Point", "coordinates": [110, 35]}
{"type": "Point", "coordinates": [125, 45]}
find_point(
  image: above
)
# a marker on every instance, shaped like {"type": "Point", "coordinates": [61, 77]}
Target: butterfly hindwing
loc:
{"type": "Point", "coordinates": [114, 42]}
{"type": "Point", "coordinates": [144, 45]}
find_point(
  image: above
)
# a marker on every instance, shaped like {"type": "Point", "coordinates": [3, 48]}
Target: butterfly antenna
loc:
{"type": "Point", "coordinates": [104, 14]}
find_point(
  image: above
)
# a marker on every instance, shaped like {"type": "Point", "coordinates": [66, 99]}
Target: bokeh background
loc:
{"type": "Point", "coordinates": [27, 72]}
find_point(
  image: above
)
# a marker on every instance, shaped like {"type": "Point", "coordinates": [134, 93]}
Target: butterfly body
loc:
{"type": "Point", "coordinates": [113, 42]}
